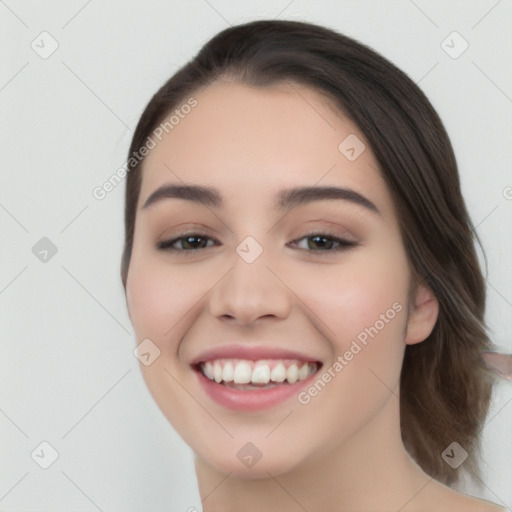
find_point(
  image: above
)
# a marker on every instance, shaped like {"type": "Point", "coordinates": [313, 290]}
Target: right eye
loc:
{"type": "Point", "coordinates": [189, 242]}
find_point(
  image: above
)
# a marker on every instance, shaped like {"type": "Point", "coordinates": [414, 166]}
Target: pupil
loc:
{"type": "Point", "coordinates": [315, 238]}
{"type": "Point", "coordinates": [188, 239]}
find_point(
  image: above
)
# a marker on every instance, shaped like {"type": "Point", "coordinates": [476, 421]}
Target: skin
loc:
{"type": "Point", "coordinates": [342, 451]}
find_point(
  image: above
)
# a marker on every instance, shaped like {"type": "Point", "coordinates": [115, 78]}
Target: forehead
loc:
{"type": "Point", "coordinates": [251, 142]}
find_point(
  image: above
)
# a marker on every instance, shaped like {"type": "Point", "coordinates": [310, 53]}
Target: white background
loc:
{"type": "Point", "coordinates": [68, 374]}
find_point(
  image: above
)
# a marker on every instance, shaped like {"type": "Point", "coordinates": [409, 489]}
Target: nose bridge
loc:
{"type": "Point", "coordinates": [250, 289]}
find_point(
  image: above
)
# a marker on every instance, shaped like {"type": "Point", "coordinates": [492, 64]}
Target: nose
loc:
{"type": "Point", "coordinates": [249, 292]}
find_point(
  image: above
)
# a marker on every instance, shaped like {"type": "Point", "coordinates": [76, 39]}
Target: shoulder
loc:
{"type": "Point", "coordinates": [445, 498]}
{"type": "Point", "coordinates": [470, 504]}
{"type": "Point", "coordinates": [477, 505]}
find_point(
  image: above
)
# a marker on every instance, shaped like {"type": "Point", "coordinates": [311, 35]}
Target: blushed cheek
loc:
{"type": "Point", "coordinates": [352, 300]}
{"type": "Point", "coordinates": [363, 317]}
{"type": "Point", "coordinates": [378, 317]}
{"type": "Point", "coordinates": [158, 302]}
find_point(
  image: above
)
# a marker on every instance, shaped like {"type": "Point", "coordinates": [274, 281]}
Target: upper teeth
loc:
{"type": "Point", "coordinates": [241, 371]}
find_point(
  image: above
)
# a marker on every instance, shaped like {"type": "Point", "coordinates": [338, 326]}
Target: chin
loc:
{"type": "Point", "coordinates": [264, 468]}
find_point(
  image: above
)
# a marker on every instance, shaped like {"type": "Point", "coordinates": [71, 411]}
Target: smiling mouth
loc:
{"type": "Point", "coordinates": [246, 375]}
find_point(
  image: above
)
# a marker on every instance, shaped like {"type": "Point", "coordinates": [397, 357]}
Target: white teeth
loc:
{"type": "Point", "coordinates": [261, 374]}
{"type": "Point", "coordinates": [217, 372]}
{"type": "Point", "coordinates": [257, 372]}
{"type": "Point", "coordinates": [303, 372]}
{"type": "Point", "coordinates": [242, 373]}
{"type": "Point", "coordinates": [208, 370]}
{"type": "Point", "coordinates": [292, 374]}
{"type": "Point", "coordinates": [228, 372]}
{"type": "Point", "coordinates": [278, 374]}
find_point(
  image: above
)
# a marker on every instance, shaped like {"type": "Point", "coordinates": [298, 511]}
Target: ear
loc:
{"type": "Point", "coordinates": [423, 312]}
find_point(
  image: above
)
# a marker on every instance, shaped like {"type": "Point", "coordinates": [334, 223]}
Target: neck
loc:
{"type": "Point", "coordinates": [369, 471]}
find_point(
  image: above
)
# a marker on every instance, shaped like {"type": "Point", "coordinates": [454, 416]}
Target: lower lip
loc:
{"type": "Point", "coordinates": [252, 399]}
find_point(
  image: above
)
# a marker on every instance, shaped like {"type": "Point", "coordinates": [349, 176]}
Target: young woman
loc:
{"type": "Point", "coordinates": [300, 270]}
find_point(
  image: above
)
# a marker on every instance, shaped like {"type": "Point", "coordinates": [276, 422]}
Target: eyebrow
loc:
{"type": "Point", "coordinates": [286, 199]}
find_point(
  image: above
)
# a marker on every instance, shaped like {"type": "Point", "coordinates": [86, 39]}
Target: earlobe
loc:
{"type": "Point", "coordinates": [422, 315]}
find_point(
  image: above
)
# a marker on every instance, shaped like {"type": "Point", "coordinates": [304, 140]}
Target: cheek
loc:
{"type": "Point", "coordinates": [362, 308]}
{"type": "Point", "coordinates": [351, 297]}
{"type": "Point", "coordinates": [159, 298]}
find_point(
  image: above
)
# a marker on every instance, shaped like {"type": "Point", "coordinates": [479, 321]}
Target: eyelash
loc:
{"type": "Point", "coordinates": [166, 245]}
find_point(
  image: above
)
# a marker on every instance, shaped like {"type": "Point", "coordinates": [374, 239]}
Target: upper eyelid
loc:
{"type": "Point", "coordinates": [320, 226]}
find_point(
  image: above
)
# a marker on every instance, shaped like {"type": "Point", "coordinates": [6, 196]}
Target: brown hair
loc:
{"type": "Point", "coordinates": [444, 393]}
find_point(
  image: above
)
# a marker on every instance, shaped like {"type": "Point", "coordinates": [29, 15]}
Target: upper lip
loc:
{"type": "Point", "coordinates": [253, 353]}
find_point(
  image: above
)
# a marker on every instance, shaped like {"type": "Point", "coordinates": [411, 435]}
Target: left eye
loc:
{"type": "Point", "coordinates": [325, 242]}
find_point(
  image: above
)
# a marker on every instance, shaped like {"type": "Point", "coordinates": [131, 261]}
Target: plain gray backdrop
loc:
{"type": "Point", "coordinates": [75, 77]}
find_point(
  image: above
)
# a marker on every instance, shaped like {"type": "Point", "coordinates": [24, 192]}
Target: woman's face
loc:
{"type": "Point", "coordinates": [256, 285]}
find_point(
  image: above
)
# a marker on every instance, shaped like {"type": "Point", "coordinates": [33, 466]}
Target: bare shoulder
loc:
{"type": "Point", "coordinates": [444, 498]}
{"type": "Point", "coordinates": [466, 503]}
{"type": "Point", "coordinates": [478, 505]}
